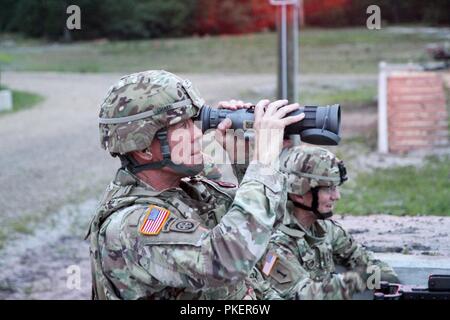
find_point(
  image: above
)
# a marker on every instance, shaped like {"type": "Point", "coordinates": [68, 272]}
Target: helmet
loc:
{"type": "Point", "coordinates": [308, 167]}
{"type": "Point", "coordinates": [140, 105]}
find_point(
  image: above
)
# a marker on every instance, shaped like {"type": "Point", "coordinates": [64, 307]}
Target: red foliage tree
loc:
{"type": "Point", "coordinates": [244, 16]}
{"type": "Point", "coordinates": [313, 7]}
{"type": "Point", "coordinates": [233, 16]}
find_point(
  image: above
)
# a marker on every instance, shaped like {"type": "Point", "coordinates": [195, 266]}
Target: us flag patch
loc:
{"type": "Point", "coordinates": [269, 263]}
{"type": "Point", "coordinates": [154, 220]}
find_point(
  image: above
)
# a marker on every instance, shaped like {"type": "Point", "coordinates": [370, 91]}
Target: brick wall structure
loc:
{"type": "Point", "coordinates": [417, 116]}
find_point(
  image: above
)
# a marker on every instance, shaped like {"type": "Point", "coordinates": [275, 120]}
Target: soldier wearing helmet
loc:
{"type": "Point", "coordinates": [302, 254]}
{"type": "Point", "coordinates": [161, 231]}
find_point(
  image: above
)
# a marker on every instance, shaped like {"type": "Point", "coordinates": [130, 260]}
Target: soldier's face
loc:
{"type": "Point", "coordinates": [328, 197]}
{"type": "Point", "coordinates": [185, 143]}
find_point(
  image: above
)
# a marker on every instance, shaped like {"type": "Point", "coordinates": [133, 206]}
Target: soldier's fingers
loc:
{"type": "Point", "coordinates": [283, 111]}
{"type": "Point", "coordinates": [259, 109]}
{"type": "Point", "coordinates": [223, 104]}
{"type": "Point", "coordinates": [239, 104]}
{"type": "Point", "coordinates": [229, 105]}
{"type": "Point", "coordinates": [235, 104]}
{"type": "Point", "coordinates": [225, 124]}
{"type": "Point", "coordinates": [273, 107]}
{"type": "Point", "coordinates": [293, 119]}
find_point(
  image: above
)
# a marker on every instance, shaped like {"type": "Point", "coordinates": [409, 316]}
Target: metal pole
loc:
{"type": "Point", "coordinates": [284, 71]}
{"type": "Point", "coordinates": [295, 24]}
{"type": "Point", "coordinates": [383, 142]}
{"type": "Point", "coordinates": [287, 25]}
{"type": "Point", "coordinates": [301, 9]}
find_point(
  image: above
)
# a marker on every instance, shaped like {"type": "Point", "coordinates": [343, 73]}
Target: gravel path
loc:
{"type": "Point", "coordinates": [53, 171]}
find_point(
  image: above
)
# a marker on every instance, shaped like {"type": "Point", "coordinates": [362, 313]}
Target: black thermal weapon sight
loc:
{"type": "Point", "coordinates": [320, 126]}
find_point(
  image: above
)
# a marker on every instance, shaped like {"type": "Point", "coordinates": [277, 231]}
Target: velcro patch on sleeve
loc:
{"type": "Point", "coordinates": [269, 262]}
{"type": "Point", "coordinates": [154, 220]}
{"type": "Point", "coordinates": [184, 225]}
{"type": "Point", "coordinates": [281, 273]}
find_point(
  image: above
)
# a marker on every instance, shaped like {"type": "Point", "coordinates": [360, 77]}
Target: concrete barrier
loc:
{"type": "Point", "coordinates": [6, 101]}
{"type": "Point", "coordinates": [411, 269]}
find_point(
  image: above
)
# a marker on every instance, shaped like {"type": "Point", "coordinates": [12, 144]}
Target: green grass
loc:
{"type": "Point", "coordinates": [362, 96]}
{"type": "Point", "coordinates": [23, 100]}
{"type": "Point", "coordinates": [18, 225]}
{"type": "Point", "coordinates": [348, 50]}
{"type": "Point", "coordinates": [357, 98]}
{"type": "Point", "coordinates": [400, 191]}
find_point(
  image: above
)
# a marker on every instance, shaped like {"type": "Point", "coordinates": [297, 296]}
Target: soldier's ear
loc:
{"type": "Point", "coordinates": [148, 154]}
{"type": "Point", "coordinates": [142, 156]}
{"type": "Point", "coordinates": [297, 198]}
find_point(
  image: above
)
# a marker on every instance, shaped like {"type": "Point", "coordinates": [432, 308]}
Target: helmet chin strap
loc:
{"type": "Point", "coordinates": [131, 164]}
{"type": "Point", "coordinates": [314, 206]}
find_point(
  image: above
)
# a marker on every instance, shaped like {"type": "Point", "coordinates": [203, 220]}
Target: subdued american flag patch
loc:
{"type": "Point", "coordinates": [154, 220]}
{"type": "Point", "coordinates": [269, 263]}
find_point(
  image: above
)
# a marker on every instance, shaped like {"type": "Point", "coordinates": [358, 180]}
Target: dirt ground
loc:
{"type": "Point", "coordinates": [53, 172]}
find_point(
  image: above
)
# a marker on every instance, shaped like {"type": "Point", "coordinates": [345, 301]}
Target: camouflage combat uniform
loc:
{"type": "Point", "coordinates": [300, 263]}
{"type": "Point", "coordinates": [306, 260]}
{"type": "Point", "coordinates": [214, 234]}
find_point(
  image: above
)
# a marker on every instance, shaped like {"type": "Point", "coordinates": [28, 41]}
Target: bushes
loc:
{"type": "Point", "coordinates": [147, 19]}
{"type": "Point", "coordinates": [134, 19]}
{"type": "Point", "coordinates": [130, 19]}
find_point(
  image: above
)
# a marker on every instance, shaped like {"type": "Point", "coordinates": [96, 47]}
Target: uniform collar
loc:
{"type": "Point", "coordinates": [126, 178]}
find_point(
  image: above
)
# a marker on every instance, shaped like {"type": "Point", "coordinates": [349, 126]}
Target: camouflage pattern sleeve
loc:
{"type": "Point", "coordinates": [211, 258]}
{"type": "Point", "coordinates": [349, 253]}
{"type": "Point", "coordinates": [262, 288]}
{"type": "Point", "coordinates": [292, 281]}
{"type": "Point", "coordinates": [210, 169]}
{"type": "Point", "coordinates": [214, 171]}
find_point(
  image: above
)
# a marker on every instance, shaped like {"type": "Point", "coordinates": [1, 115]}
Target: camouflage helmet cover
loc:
{"type": "Point", "coordinates": [308, 167]}
{"type": "Point", "coordinates": [140, 104]}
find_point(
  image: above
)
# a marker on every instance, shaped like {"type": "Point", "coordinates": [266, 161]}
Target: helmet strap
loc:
{"type": "Point", "coordinates": [314, 205]}
{"type": "Point", "coordinates": [134, 167]}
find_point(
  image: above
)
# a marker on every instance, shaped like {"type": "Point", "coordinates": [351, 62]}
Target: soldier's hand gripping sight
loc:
{"type": "Point", "coordinates": [320, 126]}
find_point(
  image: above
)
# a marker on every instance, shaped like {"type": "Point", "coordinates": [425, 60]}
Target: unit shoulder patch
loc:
{"type": "Point", "coordinates": [184, 225]}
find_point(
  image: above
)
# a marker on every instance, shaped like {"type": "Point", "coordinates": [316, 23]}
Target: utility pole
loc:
{"type": "Point", "coordinates": [287, 27]}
